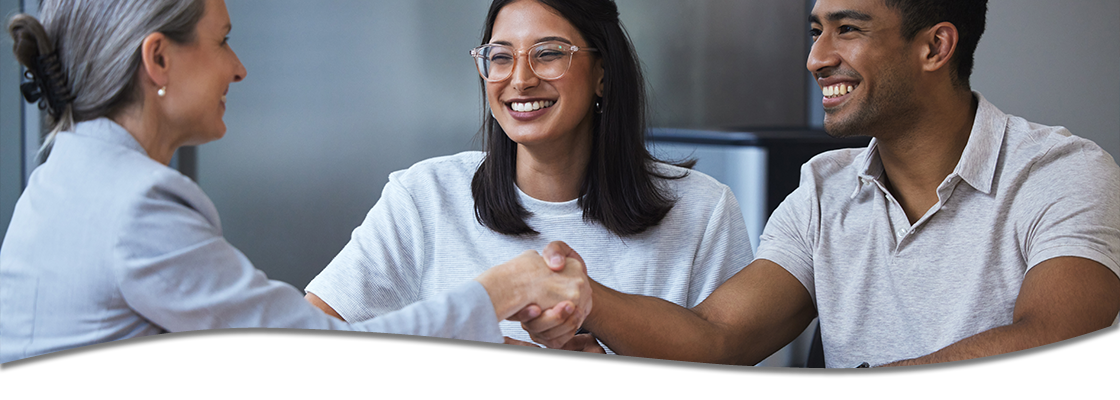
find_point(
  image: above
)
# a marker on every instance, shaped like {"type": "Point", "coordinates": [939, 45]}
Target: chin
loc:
{"type": "Point", "coordinates": [526, 133]}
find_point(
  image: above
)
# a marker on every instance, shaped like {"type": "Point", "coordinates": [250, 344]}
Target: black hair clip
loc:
{"type": "Point", "coordinates": [48, 85]}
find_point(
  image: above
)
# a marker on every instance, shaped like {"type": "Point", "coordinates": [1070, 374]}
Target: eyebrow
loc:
{"type": "Point", "coordinates": [541, 40]}
{"type": "Point", "coordinates": [840, 15]}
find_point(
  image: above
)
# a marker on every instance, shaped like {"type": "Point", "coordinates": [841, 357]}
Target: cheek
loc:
{"type": "Point", "coordinates": [492, 91]}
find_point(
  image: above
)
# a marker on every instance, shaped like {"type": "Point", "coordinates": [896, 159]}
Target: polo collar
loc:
{"type": "Point", "coordinates": [978, 162]}
{"type": "Point", "coordinates": [981, 155]}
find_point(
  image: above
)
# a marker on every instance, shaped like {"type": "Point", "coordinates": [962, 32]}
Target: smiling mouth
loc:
{"type": "Point", "coordinates": [838, 90]}
{"type": "Point", "coordinates": [530, 106]}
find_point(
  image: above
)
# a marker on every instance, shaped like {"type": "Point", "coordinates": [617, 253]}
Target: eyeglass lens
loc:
{"type": "Point", "coordinates": [547, 60]}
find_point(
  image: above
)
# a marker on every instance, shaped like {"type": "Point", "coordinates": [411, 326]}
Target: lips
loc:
{"type": "Point", "coordinates": [529, 109]}
{"type": "Point", "coordinates": [530, 106]}
{"type": "Point", "coordinates": [836, 90]}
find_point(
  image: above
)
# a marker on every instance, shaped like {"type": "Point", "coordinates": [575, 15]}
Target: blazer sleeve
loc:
{"type": "Point", "coordinates": [176, 269]}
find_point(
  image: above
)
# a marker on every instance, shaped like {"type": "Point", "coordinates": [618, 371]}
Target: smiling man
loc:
{"type": "Point", "coordinates": [959, 232]}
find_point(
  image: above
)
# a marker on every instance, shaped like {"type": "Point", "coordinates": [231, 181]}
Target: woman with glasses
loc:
{"type": "Point", "coordinates": [108, 243]}
{"type": "Point", "coordinates": [564, 159]}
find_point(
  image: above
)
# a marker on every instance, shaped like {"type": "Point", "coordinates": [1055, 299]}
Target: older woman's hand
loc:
{"type": "Point", "coordinates": [554, 328]}
{"type": "Point", "coordinates": [527, 280]}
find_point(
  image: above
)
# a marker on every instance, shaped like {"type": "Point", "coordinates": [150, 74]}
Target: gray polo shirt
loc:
{"type": "Point", "coordinates": [886, 290]}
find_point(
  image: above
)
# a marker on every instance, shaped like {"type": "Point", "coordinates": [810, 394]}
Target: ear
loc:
{"type": "Point", "coordinates": [154, 59]}
{"type": "Point", "coordinates": [601, 74]}
{"type": "Point", "coordinates": [939, 46]}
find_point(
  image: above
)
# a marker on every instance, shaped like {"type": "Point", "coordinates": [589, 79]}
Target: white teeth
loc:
{"type": "Point", "coordinates": [837, 90]}
{"type": "Point", "coordinates": [534, 106]}
{"type": "Point", "coordinates": [223, 98]}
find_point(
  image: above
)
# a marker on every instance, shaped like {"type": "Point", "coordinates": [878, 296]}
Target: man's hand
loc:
{"type": "Point", "coordinates": [584, 342]}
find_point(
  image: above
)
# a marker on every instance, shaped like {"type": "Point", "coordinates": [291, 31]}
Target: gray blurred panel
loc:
{"type": "Point", "coordinates": [11, 154]}
{"type": "Point", "coordinates": [1054, 63]}
{"type": "Point", "coordinates": [721, 63]}
{"type": "Point", "coordinates": [339, 94]}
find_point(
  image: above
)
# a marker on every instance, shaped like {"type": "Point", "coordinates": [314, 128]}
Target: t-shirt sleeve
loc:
{"type": "Point", "coordinates": [379, 270]}
{"type": "Point", "coordinates": [724, 250]}
{"type": "Point", "coordinates": [787, 239]}
{"type": "Point", "coordinates": [1072, 207]}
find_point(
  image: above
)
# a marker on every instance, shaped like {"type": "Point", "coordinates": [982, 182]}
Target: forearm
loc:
{"type": "Point", "coordinates": [1060, 299]}
{"type": "Point", "coordinates": [654, 328]}
{"type": "Point", "coordinates": [749, 317]}
{"type": "Point", "coordinates": [1021, 335]}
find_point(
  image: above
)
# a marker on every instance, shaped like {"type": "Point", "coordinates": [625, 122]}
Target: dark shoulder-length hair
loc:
{"type": "Point", "coordinates": [619, 189]}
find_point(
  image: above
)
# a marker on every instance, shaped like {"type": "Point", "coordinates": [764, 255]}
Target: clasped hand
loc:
{"type": "Point", "coordinates": [556, 327]}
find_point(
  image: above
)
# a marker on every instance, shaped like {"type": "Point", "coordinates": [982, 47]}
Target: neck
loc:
{"type": "Point", "coordinates": [554, 171]}
{"type": "Point", "coordinates": [149, 129]}
{"type": "Point", "coordinates": [918, 159]}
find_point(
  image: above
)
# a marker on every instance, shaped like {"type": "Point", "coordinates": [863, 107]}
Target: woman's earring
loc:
{"type": "Point", "coordinates": [598, 107]}
{"type": "Point", "coordinates": [162, 91]}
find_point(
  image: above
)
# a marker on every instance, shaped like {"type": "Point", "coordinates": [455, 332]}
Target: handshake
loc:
{"type": "Point", "coordinates": [549, 293]}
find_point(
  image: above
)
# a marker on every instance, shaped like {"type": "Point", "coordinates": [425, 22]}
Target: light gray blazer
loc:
{"type": "Point", "coordinates": [107, 244]}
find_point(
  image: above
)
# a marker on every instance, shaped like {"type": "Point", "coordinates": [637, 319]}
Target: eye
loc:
{"type": "Point", "coordinates": [814, 33]}
{"type": "Point", "coordinates": [501, 58]}
{"type": "Point", "coordinates": [848, 29]}
{"type": "Point", "coordinates": [548, 55]}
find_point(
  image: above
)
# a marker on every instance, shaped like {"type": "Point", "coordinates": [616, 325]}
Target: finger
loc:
{"type": "Point", "coordinates": [555, 253]}
{"type": "Point", "coordinates": [515, 342]}
{"type": "Point", "coordinates": [549, 318]}
{"type": "Point", "coordinates": [526, 314]}
{"type": "Point", "coordinates": [560, 334]}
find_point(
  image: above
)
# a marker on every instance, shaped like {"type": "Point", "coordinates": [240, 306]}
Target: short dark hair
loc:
{"type": "Point", "coordinates": [967, 15]}
{"type": "Point", "coordinates": [618, 190]}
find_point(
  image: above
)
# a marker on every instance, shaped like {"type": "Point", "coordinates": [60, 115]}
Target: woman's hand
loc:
{"type": "Point", "coordinates": [526, 280]}
{"type": "Point", "coordinates": [553, 328]}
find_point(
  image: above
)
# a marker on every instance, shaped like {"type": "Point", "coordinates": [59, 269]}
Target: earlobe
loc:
{"type": "Point", "coordinates": [154, 63]}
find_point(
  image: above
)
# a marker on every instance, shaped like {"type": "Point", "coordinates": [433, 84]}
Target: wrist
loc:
{"type": "Point", "coordinates": [504, 289]}
{"type": "Point", "coordinates": [599, 297]}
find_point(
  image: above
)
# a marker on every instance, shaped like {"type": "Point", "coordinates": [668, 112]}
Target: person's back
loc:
{"type": "Point", "coordinates": [59, 273]}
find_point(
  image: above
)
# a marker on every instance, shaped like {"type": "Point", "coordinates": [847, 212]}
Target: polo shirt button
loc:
{"type": "Point", "coordinates": [902, 232]}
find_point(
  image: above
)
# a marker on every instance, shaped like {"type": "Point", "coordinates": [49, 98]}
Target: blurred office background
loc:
{"type": "Point", "coordinates": [340, 93]}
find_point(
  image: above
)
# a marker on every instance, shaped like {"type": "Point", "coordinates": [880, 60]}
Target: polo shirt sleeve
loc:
{"type": "Point", "coordinates": [788, 238]}
{"type": "Point", "coordinates": [1071, 205]}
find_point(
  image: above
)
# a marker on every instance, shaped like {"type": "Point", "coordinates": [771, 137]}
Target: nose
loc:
{"type": "Point", "coordinates": [523, 76]}
{"type": "Point", "coordinates": [822, 55]}
{"type": "Point", "coordinates": [239, 72]}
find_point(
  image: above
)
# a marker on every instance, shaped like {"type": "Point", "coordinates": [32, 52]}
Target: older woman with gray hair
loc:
{"type": "Point", "coordinates": [107, 242]}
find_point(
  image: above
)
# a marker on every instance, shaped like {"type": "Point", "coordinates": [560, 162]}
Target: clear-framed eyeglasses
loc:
{"type": "Point", "coordinates": [548, 60]}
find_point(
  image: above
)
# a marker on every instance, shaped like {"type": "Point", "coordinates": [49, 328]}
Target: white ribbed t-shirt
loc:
{"type": "Point", "coordinates": [422, 238]}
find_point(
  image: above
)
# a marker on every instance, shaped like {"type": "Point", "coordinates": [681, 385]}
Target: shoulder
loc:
{"type": "Point", "coordinates": [833, 173]}
{"type": "Point", "coordinates": [688, 183]}
{"type": "Point", "coordinates": [834, 163]}
{"type": "Point", "coordinates": [446, 171]}
{"type": "Point", "coordinates": [1051, 153]}
{"type": "Point", "coordinates": [697, 195]}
